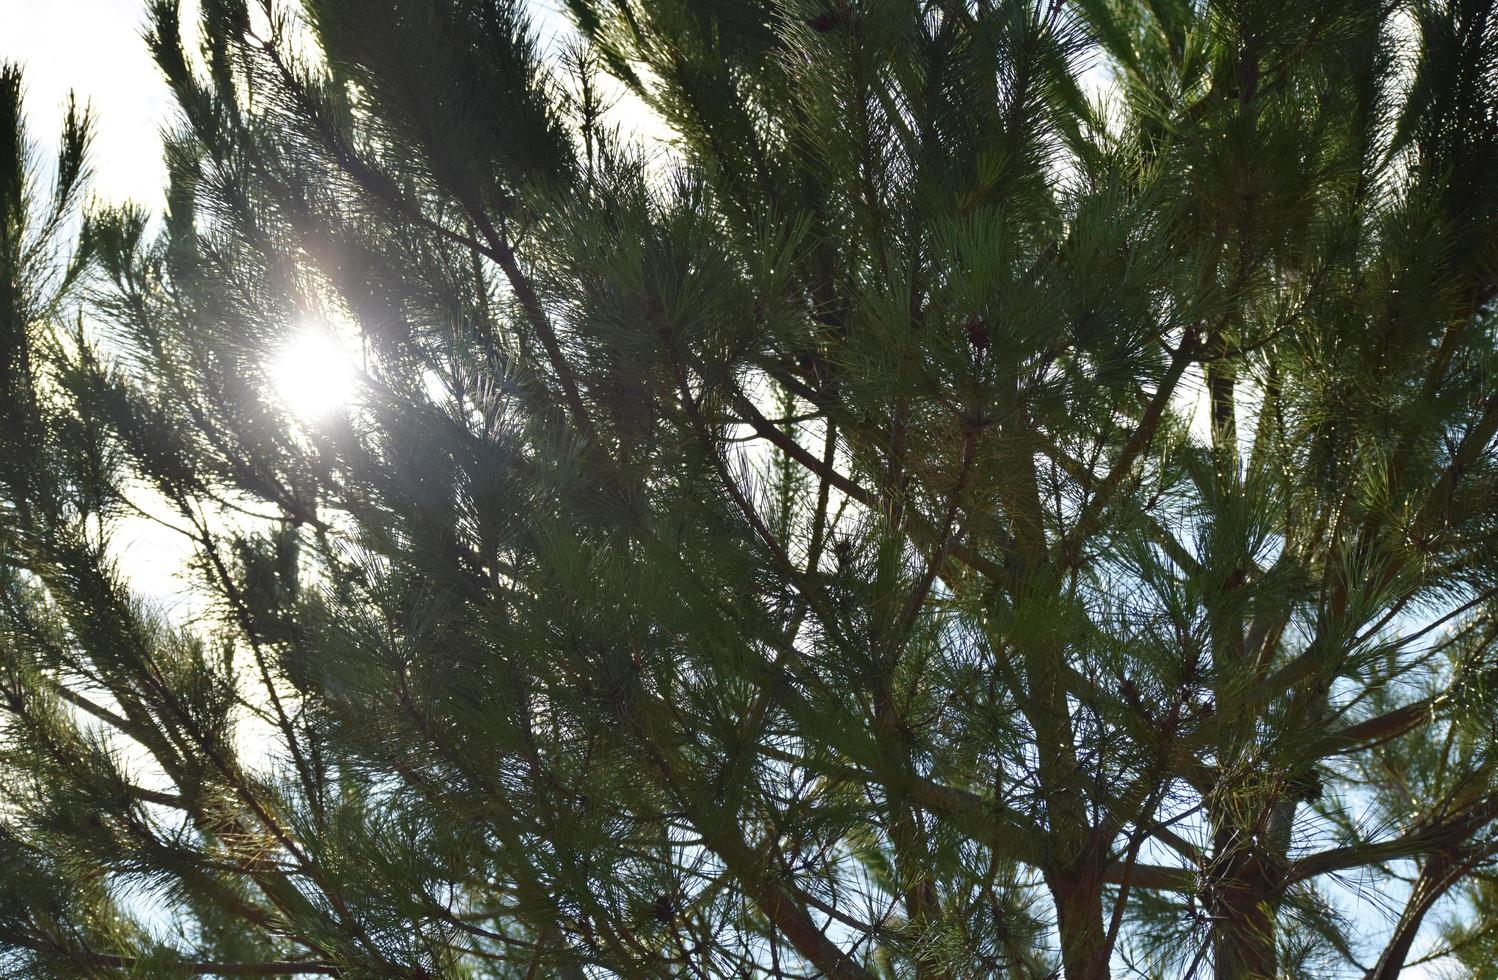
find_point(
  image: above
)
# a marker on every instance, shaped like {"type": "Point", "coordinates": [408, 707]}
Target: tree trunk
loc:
{"type": "Point", "coordinates": [1244, 944]}
{"type": "Point", "coordinates": [1079, 920]}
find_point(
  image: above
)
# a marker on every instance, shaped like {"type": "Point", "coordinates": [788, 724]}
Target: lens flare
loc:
{"type": "Point", "coordinates": [313, 375]}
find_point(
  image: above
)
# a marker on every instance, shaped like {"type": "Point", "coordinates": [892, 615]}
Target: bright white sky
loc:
{"type": "Point", "coordinates": [95, 48]}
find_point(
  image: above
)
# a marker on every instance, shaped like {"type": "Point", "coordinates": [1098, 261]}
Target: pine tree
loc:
{"type": "Point", "coordinates": [1008, 491]}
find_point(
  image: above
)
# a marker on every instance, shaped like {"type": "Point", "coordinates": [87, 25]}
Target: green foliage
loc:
{"type": "Point", "coordinates": [1008, 490]}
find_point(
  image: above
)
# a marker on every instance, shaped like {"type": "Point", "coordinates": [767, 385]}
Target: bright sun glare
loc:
{"type": "Point", "coordinates": [313, 374]}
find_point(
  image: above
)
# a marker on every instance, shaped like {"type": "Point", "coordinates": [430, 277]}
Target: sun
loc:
{"type": "Point", "coordinates": [313, 374]}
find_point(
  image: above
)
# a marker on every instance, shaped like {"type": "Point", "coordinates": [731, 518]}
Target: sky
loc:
{"type": "Point", "coordinates": [94, 47]}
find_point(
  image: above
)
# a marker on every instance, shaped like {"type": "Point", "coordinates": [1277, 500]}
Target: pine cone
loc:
{"type": "Point", "coordinates": [824, 23]}
{"type": "Point", "coordinates": [977, 333]}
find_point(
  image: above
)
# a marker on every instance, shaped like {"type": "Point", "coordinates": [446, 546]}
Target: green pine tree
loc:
{"type": "Point", "coordinates": [1009, 490]}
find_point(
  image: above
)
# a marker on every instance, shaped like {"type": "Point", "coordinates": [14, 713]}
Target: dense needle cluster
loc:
{"type": "Point", "coordinates": [1008, 488]}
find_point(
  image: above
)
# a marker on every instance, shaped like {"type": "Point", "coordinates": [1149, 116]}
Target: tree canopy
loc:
{"type": "Point", "coordinates": [1004, 488]}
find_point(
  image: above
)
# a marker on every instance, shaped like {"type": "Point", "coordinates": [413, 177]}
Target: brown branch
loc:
{"type": "Point", "coordinates": [1427, 839]}
{"type": "Point", "coordinates": [1381, 728]}
{"type": "Point", "coordinates": [1436, 878]}
{"type": "Point", "coordinates": [1138, 442]}
{"type": "Point", "coordinates": [761, 425]}
{"type": "Point", "coordinates": [720, 833]}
